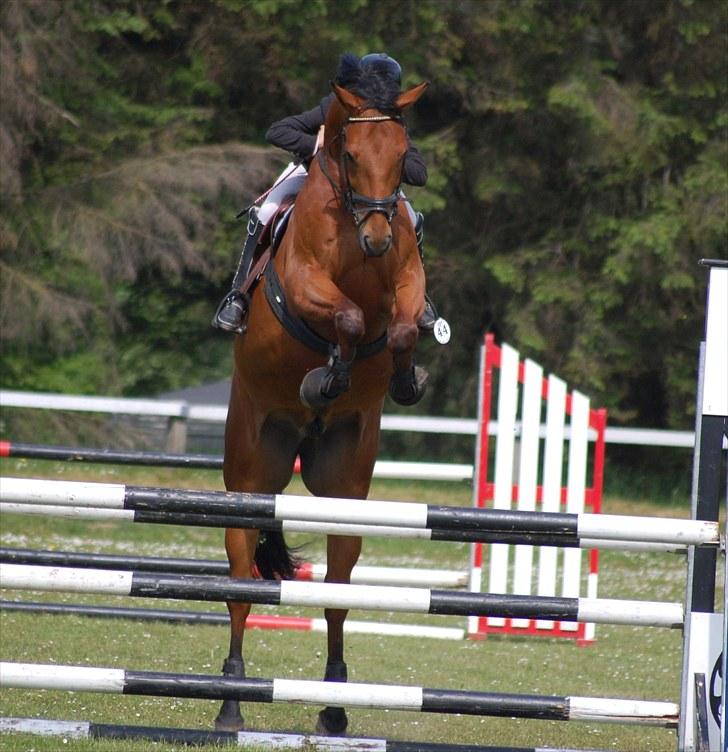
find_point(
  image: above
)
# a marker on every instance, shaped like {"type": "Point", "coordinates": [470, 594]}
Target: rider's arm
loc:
{"type": "Point", "coordinates": [414, 171]}
{"type": "Point", "coordinates": [297, 133]}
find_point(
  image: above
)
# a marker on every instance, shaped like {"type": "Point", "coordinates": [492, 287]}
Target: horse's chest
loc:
{"type": "Point", "coordinates": [368, 290]}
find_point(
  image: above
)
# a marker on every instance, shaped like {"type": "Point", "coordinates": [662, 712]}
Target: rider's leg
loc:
{"type": "Point", "coordinates": [233, 307]}
{"type": "Point", "coordinates": [288, 183]}
{"type": "Point", "coordinates": [429, 315]}
{"type": "Point", "coordinates": [231, 312]}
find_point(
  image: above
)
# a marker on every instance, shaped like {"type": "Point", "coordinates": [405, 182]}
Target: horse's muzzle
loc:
{"type": "Point", "coordinates": [375, 234]}
{"type": "Point", "coordinates": [375, 247]}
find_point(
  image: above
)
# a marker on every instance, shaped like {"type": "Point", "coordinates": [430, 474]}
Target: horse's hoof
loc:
{"type": "Point", "coordinates": [311, 386]}
{"type": "Point", "coordinates": [320, 387]}
{"type": "Point", "coordinates": [332, 722]}
{"type": "Point", "coordinates": [229, 718]}
{"type": "Point", "coordinates": [408, 387]}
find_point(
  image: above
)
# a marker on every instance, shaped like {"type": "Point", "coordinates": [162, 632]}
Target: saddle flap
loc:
{"type": "Point", "coordinates": [275, 228]}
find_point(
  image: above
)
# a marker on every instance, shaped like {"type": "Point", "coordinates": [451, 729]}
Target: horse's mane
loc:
{"type": "Point", "coordinates": [370, 82]}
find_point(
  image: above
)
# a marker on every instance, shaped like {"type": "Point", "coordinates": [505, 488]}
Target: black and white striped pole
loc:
{"type": "Point", "coordinates": [384, 696]}
{"type": "Point", "coordinates": [569, 529]}
{"type": "Point", "coordinates": [333, 595]}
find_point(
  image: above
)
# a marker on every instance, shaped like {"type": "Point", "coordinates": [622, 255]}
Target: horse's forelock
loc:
{"type": "Point", "coordinates": [370, 82]}
{"type": "Point", "coordinates": [349, 71]}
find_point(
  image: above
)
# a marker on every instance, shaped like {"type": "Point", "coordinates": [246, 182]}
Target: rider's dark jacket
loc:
{"type": "Point", "coordinates": [297, 134]}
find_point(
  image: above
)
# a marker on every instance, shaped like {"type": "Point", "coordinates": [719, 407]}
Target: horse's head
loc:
{"type": "Point", "coordinates": [371, 143]}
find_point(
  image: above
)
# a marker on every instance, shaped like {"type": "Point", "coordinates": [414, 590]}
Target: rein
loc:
{"type": "Point", "coordinates": [357, 204]}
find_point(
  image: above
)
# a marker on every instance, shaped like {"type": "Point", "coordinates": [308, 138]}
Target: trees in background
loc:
{"type": "Point", "coordinates": [577, 154]}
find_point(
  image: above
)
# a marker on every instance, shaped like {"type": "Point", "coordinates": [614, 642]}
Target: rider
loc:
{"type": "Point", "coordinates": [303, 136]}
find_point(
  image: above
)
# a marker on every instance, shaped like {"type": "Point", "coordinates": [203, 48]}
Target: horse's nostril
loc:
{"type": "Point", "coordinates": [376, 248]}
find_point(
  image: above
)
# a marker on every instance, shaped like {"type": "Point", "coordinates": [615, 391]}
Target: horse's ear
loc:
{"type": "Point", "coordinates": [351, 102]}
{"type": "Point", "coordinates": [408, 98]}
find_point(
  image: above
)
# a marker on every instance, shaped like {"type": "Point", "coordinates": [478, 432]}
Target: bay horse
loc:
{"type": "Point", "coordinates": [333, 331]}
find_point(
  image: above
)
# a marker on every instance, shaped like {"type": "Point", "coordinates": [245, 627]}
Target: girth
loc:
{"type": "Point", "coordinates": [299, 329]}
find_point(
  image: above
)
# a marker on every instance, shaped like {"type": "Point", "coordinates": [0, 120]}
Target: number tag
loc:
{"type": "Point", "coordinates": [441, 331]}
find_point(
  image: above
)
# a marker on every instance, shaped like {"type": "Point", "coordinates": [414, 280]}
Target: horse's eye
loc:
{"type": "Point", "coordinates": [349, 158]}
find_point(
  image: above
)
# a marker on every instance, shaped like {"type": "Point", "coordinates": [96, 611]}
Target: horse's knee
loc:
{"type": "Point", "coordinates": [402, 337]}
{"type": "Point", "coordinates": [349, 324]}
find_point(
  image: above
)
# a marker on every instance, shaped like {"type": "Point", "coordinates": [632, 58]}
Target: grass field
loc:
{"type": "Point", "coordinates": [625, 661]}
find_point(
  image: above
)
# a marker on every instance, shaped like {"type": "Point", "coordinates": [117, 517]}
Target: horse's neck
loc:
{"type": "Point", "coordinates": [336, 119]}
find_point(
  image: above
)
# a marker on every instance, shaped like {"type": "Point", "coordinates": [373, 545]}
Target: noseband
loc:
{"type": "Point", "coordinates": [358, 205]}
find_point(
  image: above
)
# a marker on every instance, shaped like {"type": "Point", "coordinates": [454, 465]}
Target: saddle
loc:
{"type": "Point", "coordinates": [268, 243]}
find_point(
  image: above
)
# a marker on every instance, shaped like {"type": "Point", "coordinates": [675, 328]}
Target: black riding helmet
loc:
{"type": "Point", "coordinates": [381, 61]}
{"type": "Point", "coordinates": [351, 68]}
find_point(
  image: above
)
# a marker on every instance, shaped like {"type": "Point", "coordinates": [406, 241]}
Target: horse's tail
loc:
{"type": "Point", "coordinates": [274, 559]}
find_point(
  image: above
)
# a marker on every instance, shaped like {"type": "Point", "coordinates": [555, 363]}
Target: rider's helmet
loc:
{"type": "Point", "coordinates": [381, 62]}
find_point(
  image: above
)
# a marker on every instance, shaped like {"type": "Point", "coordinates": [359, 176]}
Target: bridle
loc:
{"type": "Point", "coordinates": [358, 205]}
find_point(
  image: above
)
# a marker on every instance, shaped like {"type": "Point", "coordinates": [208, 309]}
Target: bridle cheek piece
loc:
{"type": "Point", "coordinates": [357, 204]}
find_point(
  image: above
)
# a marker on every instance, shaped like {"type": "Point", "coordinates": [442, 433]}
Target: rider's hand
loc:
{"type": "Point", "coordinates": [319, 139]}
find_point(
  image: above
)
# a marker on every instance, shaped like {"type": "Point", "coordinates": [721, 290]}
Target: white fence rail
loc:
{"type": "Point", "coordinates": [183, 411]}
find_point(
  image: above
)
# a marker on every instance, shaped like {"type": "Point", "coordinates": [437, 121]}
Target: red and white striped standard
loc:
{"type": "Point", "coordinates": [544, 406]}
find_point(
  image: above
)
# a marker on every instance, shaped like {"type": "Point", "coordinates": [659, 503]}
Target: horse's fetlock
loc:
{"type": "Point", "coordinates": [234, 667]}
{"type": "Point", "coordinates": [335, 671]}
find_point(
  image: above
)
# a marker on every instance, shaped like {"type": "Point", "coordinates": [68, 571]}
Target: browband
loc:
{"type": "Point", "coordinates": [372, 119]}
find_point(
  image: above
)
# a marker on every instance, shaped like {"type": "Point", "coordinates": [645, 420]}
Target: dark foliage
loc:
{"type": "Point", "coordinates": [576, 151]}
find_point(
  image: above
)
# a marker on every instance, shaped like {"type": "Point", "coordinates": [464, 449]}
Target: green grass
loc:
{"type": "Point", "coordinates": [624, 662]}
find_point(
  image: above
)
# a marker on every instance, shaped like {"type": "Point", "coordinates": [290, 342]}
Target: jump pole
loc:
{"type": "Point", "coordinates": [273, 741]}
{"type": "Point", "coordinates": [306, 527]}
{"type": "Point", "coordinates": [22, 450]}
{"type": "Point", "coordinates": [382, 696]}
{"type": "Point", "coordinates": [335, 595]}
{"type": "Point", "coordinates": [254, 621]}
{"type": "Point", "coordinates": [569, 527]}
{"type": "Point", "coordinates": [307, 572]}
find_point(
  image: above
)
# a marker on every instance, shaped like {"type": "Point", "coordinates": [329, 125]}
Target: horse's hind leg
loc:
{"type": "Point", "coordinates": [340, 463]}
{"type": "Point", "coordinates": [240, 547]}
{"type": "Point", "coordinates": [342, 554]}
{"type": "Point", "coordinates": [262, 465]}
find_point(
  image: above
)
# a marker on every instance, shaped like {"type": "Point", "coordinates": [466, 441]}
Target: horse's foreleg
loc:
{"type": "Point", "coordinates": [342, 555]}
{"type": "Point", "coordinates": [407, 385]}
{"type": "Point", "coordinates": [320, 302]}
{"type": "Point", "coordinates": [240, 547]}
{"type": "Point", "coordinates": [321, 386]}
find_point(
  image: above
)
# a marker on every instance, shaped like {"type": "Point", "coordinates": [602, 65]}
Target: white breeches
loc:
{"type": "Point", "coordinates": [289, 183]}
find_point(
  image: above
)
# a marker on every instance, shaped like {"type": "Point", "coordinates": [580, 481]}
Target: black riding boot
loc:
{"type": "Point", "coordinates": [429, 315]}
{"type": "Point", "coordinates": [233, 308]}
